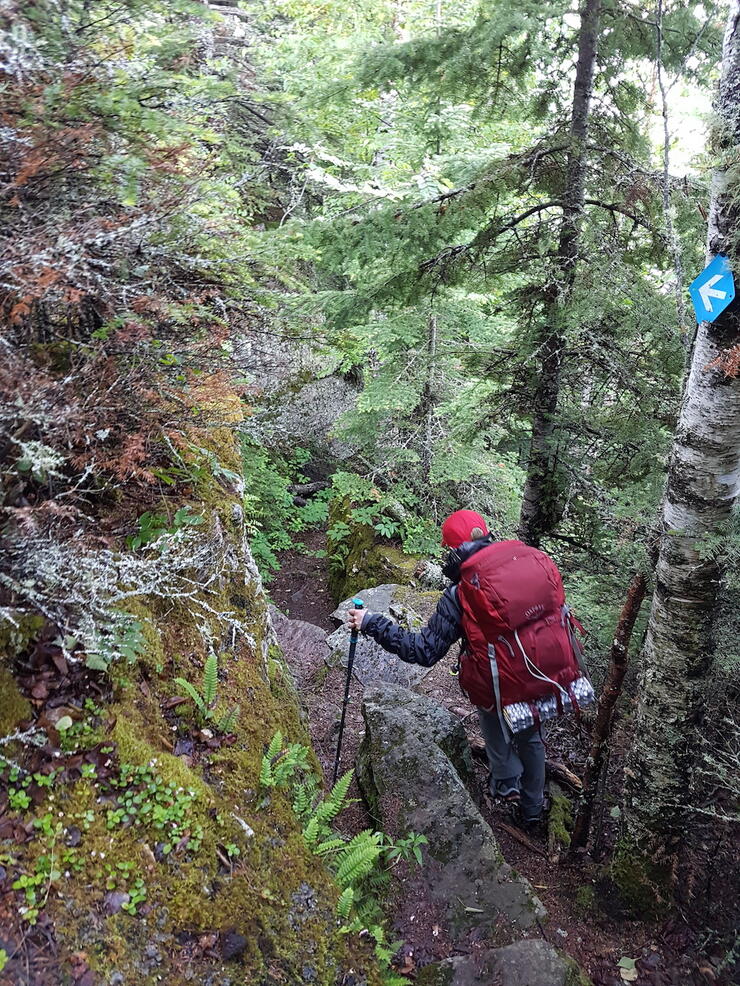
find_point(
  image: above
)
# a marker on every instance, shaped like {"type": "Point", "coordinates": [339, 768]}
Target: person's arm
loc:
{"type": "Point", "coordinates": [428, 645]}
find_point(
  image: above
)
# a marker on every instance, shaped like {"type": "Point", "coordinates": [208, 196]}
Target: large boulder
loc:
{"type": "Point", "coordinates": [312, 411]}
{"type": "Point", "coordinates": [358, 556]}
{"type": "Point", "coordinates": [303, 644]}
{"type": "Point", "coordinates": [531, 962]}
{"type": "Point", "coordinates": [410, 768]}
{"type": "Point", "coordinates": [372, 663]}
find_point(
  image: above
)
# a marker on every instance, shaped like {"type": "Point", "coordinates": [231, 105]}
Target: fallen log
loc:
{"type": "Point", "coordinates": [563, 775]}
{"type": "Point", "coordinates": [517, 834]}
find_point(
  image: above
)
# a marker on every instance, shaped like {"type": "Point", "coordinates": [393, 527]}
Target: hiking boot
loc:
{"type": "Point", "coordinates": [534, 827]}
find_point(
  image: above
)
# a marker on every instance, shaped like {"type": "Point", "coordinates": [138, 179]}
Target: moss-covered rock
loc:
{"type": "Point", "coordinates": [358, 557]}
{"type": "Point", "coordinates": [643, 883]}
{"type": "Point", "coordinates": [14, 707]}
{"type": "Point", "coordinates": [173, 866]}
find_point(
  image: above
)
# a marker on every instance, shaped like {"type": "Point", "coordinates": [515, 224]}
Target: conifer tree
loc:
{"type": "Point", "coordinates": [531, 229]}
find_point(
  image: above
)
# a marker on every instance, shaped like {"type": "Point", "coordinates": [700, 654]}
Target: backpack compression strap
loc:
{"type": "Point", "coordinates": [566, 620]}
{"type": "Point", "coordinates": [505, 730]}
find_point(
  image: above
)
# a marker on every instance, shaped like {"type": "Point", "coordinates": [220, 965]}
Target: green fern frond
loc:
{"type": "Point", "coordinates": [304, 797]}
{"type": "Point", "coordinates": [359, 858]}
{"type": "Point", "coordinates": [276, 745]}
{"type": "Point", "coordinates": [266, 778]}
{"type": "Point", "coordinates": [344, 904]}
{"type": "Point", "coordinates": [330, 808]}
{"type": "Point", "coordinates": [192, 692]}
{"type": "Point", "coordinates": [311, 830]}
{"type": "Point", "coordinates": [329, 845]}
{"type": "Point", "coordinates": [210, 680]}
{"type": "Point", "coordinates": [227, 722]}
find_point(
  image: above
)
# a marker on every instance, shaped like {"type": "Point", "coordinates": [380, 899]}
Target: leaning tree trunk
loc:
{"type": "Point", "coordinates": [540, 504]}
{"type": "Point", "coordinates": [702, 488]}
{"type": "Point", "coordinates": [608, 699]}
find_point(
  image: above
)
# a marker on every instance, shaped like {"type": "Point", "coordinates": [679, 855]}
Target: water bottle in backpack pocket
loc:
{"type": "Point", "coordinates": [522, 657]}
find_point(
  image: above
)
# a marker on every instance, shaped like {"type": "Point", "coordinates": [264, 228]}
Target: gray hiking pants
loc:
{"type": "Point", "coordinates": [517, 763]}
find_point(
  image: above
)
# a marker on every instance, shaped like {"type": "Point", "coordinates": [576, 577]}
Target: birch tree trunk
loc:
{"type": "Point", "coordinates": [540, 510]}
{"type": "Point", "coordinates": [702, 488]}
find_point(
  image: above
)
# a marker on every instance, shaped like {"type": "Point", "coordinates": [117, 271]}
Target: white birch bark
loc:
{"type": "Point", "coordinates": [702, 489]}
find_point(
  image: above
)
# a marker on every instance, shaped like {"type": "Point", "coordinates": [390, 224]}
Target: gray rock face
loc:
{"type": "Point", "coordinates": [409, 768]}
{"type": "Point", "coordinates": [373, 664]}
{"type": "Point", "coordinates": [532, 962]}
{"type": "Point", "coordinates": [313, 411]}
{"type": "Point", "coordinates": [303, 644]}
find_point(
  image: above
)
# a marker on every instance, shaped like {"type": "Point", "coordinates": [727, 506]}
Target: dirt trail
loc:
{"type": "Point", "coordinates": [584, 918]}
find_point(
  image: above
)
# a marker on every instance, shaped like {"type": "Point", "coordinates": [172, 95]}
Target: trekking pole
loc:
{"type": "Point", "coordinates": [353, 637]}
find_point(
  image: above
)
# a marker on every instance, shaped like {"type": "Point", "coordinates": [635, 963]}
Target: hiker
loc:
{"type": "Point", "coordinates": [520, 662]}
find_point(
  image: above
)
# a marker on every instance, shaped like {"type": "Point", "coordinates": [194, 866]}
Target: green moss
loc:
{"type": "Point", "coordinates": [586, 900]}
{"type": "Point", "coordinates": [360, 560]}
{"type": "Point", "coordinates": [574, 976]}
{"type": "Point", "coordinates": [18, 629]}
{"type": "Point", "coordinates": [152, 656]}
{"type": "Point", "coordinates": [14, 708]}
{"type": "Point", "coordinates": [559, 819]}
{"type": "Point", "coordinates": [642, 883]}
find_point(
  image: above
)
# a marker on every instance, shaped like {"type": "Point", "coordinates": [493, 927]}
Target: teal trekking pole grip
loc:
{"type": "Point", "coordinates": [353, 638]}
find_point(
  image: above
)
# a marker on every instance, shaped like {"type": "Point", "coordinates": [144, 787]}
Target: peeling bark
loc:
{"type": "Point", "coordinates": [702, 489]}
{"type": "Point", "coordinates": [541, 511]}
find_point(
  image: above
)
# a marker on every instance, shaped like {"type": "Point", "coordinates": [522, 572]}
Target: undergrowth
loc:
{"type": "Point", "coordinates": [361, 864]}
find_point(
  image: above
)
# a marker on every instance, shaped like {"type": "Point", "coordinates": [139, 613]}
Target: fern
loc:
{"type": "Point", "coordinates": [330, 808]}
{"type": "Point", "coordinates": [304, 796]}
{"type": "Point", "coordinates": [210, 681]}
{"type": "Point", "coordinates": [192, 692]}
{"type": "Point", "coordinates": [266, 776]}
{"type": "Point", "coordinates": [359, 857]}
{"type": "Point", "coordinates": [276, 745]}
{"type": "Point", "coordinates": [279, 766]}
{"type": "Point", "coordinates": [311, 830]}
{"type": "Point", "coordinates": [227, 722]}
{"type": "Point", "coordinates": [329, 845]}
{"type": "Point", "coordinates": [344, 904]}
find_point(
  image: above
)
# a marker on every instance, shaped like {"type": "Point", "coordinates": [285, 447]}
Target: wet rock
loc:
{"type": "Point", "coordinates": [532, 962]}
{"type": "Point", "coordinates": [232, 945]}
{"type": "Point", "coordinates": [410, 768]}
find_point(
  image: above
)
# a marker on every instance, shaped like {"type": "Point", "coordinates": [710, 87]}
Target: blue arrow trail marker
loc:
{"type": "Point", "coordinates": [713, 290]}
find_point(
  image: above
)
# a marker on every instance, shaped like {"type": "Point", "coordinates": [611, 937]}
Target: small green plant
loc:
{"type": "Point", "coordinates": [408, 849]}
{"type": "Point", "coordinates": [121, 876]}
{"type": "Point", "coordinates": [146, 800]}
{"type": "Point", "coordinates": [3, 959]}
{"type": "Point", "coordinates": [152, 526]}
{"type": "Point", "coordinates": [205, 700]}
{"type": "Point", "coordinates": [279, 766]}
{"type": "Point", "coordinates": [37, 884]}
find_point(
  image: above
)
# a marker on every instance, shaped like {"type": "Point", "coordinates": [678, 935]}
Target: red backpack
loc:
{"type": "Point", "coordinates": [521, 646]}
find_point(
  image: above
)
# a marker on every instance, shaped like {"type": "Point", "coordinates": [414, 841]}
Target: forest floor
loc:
{"type": "Point", "coordinates": [585, 917]}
